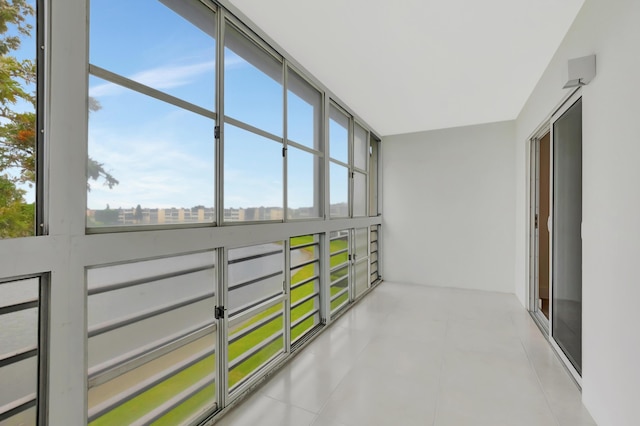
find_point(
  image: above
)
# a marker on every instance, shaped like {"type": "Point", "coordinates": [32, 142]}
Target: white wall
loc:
{"type": "Point", "coordinates": [611, 201]}
{"type": "Point", "coordinates": [449, 207]}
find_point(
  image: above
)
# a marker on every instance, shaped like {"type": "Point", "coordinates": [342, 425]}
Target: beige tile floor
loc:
{"type": "Point", "coordinates": [415, 355]}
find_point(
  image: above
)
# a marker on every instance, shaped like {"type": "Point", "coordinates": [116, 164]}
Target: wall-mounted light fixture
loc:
{"type": "Point", "coordinates": [581, 71]}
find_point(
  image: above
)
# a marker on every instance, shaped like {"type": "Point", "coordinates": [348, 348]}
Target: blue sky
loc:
{"type": "Point", "coordinates": [162, 155]}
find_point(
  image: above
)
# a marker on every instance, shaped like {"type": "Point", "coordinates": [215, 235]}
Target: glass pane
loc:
{"type": "Point", "coordinates": [303, 183]}
{"type": "Point", "coordinates": [264, 341]}
{"type": "Point", "coordinates": [150, 325]}
{"type": "Point", "coordinates": [304, 112]}
{"type": "Point", "coordinates": [305, 285]}
{"type": "Point", "coordinates": [252, 83]}
{"type": "Point", "coordinates": [23, 377]}
{"type": "Point", "coordinates": [255, 273]}
{"type": "Point", "coordinates": [362, 243]}
{"type": "Point", "coordinates": [567, 241]}
{"type": "Point", "coordinates": [338, 260]}
{"type": "Point", "coordinates": [373, 178]}
{"type": "Point", "coordinates": [160, 157]}
{"type": "Point", "coordinates": [252, 176]}
{"type": "Point", "coordinates": [168, 45]}
{"type": "Point", "coordinates": [14, 292]}
{"type": "Point", "coordinates": [339, 248]}
{"type": "Point", "coordinates": [339, 184]}
{"type": "Point", "coordinates": [338, 135]}
{"type": "Point", "coordinates": [360, 147]}
{"type": "Point", "coordinates": [359, 194]}
{"type": "Point", "coordinates": [255, 276]}
{"type": "Point", "coordinates": [25, 418]}
{"type": "Point", "coordinates": [362, 277]}
{"type": "Point", "coordinates": [110, 275]}
{"type": "Point", "coordinates": [373, 255]}
{"type": "Point", "coordinates": [19, 330]}
{"type": "Point", "coordinates": [18, 124]}
{"type": "Point", "coordinates": [18, 349]}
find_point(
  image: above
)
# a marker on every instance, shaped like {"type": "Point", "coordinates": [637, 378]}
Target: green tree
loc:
{"type": "Point", "coordinates": [16, 217]}
{"type": "Point", "coordinates": [18, 128]}
{"type": "Point", "coordinates": [107, 216]}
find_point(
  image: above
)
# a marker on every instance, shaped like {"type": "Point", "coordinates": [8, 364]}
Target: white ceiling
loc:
{"type": "Point", "coordinates": [413, 65]}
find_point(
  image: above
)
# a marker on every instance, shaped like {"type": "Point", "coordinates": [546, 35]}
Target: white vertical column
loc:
{"type": "Point", "coordinates": [65, 138]}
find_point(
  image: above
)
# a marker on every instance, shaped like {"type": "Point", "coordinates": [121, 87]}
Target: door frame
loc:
{"type": "Point", "coordinates": [533, 144]}
{"type": "Point", "coordinates": [570, 102]}
{"type": "Point", "coordinates": [534, 231]}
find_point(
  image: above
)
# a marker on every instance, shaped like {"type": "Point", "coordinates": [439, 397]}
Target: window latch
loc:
{"type": "Point", "coordinates": [219, 312]}
{"type": "Point", "coordinates": [216, 132]}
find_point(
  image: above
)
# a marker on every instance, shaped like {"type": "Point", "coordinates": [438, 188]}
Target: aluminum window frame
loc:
{"type": "Point", "coordinates": [161, 96]}
{"type": "Point", "coordinates": [243, 30]}
{"type": "Point", "coordinates": [40, 352]}
{"type": "Point", "coordinates": [238, 391]}
{"type": "Point", "coordinates": [347, 165]}
{"type": "Point", "coordinates": [158, 348]}
{"type": "Point", "coordinates": [319, 294]}
{"type": "Point", "coordinates": [319, 154]}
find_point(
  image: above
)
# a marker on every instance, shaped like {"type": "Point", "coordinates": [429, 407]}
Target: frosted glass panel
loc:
{"type": "Point", "coordinates": [362, 242]}
{"type": "Point", "coordinates": [19, 349]}
{"type": "Point", "coordinates": [254, 274]}
{"type": "Point", "coordinates": [305, 285]}
{"type": "Point", "coordinates": [150, 325]}
{"type": "Point", "coordinates": [362, 277]}
{"type": "Point", "coordinates": [256, 318]}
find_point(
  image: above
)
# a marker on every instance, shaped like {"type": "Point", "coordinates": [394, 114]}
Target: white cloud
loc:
{"type": "Point", "coordinates": [153, 171]}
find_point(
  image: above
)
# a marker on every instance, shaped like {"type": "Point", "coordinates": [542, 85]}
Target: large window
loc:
{"type": "Point", "coordinates": [339, 125]}
{"type": "Point", "coordinates": [152, 341]}
{"type": "Point", "coordinates": [18, 127]}
{"type": "Point", "coordinates": [223, 161]}
{"type": "Point", "coordinates": [152, 113]}
{"type": "Point", "coordinates": [304, 148]}
{"type": "Point", "coordinates": [253, 129]}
